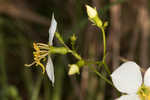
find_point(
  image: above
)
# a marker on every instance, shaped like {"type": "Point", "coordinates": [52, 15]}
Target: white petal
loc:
{"type": "Point", "coordinates": [52, 29]}
{"type": "Point", "coordinates": [147, 77]}
{"type": "Point", "coordinates": [50, 70]}
{"type": "Point", "coordinates": [129, 97]}
{"type": "Point", "coordinates": [127, 78]}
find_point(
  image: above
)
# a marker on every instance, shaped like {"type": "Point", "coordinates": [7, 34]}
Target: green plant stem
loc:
{"type": "Point", "coordinates": [74, 53]}
{"type": "Point", "coordinates": [102, 77]}
{"type": "Point", "coordinates": [89, 63]}
{"type": "Point", "coordinates": [107, 68]}
{"type": "Point", "coordinates": [104, 56]}
{"type": "Point", "coordinates": [94, 62]}
{"type": "Point", "coordinates": [104, 42]}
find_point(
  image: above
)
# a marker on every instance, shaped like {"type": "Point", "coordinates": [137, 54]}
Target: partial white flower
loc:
{"type": "Point", "coordinates": [52, 29]}
{"type": "Point", "coordinates": [128, 79]}
{"type": "Point", "coordinates": [49, 65]}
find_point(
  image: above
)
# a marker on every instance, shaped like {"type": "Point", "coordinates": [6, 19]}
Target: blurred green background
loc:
{"type": "Point", "coordinates": [23, 22]}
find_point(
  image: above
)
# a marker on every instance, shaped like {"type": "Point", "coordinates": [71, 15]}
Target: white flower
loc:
{"type": "Point", "coordinates": [49, 65]}
{"type": "Point", "coordinates": [128, 79]}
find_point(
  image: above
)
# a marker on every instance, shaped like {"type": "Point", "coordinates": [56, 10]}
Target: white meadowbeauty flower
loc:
{"type": "Point", "coordinates": [42, 51]}
{"type": "Point", "coordinates": [49, 65]}
{"type": "Point", "coordinates": [128, 79]}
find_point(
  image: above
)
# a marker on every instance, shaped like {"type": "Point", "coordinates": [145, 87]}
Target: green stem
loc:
{"type": "Point", "coordinates": [94, 62]}
{"type": "Point", "coordinates": [106, 67]}
{"type": "Point", "coordinates": [74, 53]}
{"type": "Point", "coordinates": [104, 56]}
{"type": "Point", "coordinates": [89, 63]}
{"type": "Point", "coordinates": [102, 77]}
{"type": "Point", "coordinates": [104, 42]}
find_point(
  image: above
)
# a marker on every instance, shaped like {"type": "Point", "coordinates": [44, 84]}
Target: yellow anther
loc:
{"type": "Point", "coordinates": [40, 53]}
{"type": "Point", "coordinates": [36, 47]}
{"type": "Point", "coordinates": [144, 92]}
{"type": "Point", "coordinates": [148, 98]}
{"type": "Point", "coordinates": [42, 66]}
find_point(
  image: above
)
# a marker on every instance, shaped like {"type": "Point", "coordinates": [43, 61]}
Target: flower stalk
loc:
{"type": "Point", "coordinates": [93, 16]}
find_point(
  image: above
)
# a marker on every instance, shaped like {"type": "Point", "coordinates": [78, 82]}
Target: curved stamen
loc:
{"type": "Point", "coordinates": [41, 51]}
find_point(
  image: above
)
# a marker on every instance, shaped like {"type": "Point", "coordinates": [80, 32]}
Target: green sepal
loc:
{"type": "Point", "coordinates": [98, 21]}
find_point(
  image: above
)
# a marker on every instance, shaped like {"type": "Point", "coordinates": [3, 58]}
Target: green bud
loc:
{"type": "Point", "coordinates": [74, 69]}
{"type": "Point", "coordinates": [105, 24]}
{"type": "Point", "coordinates": [81, 63]}
{"type": "Point", "coordinates": [73, 38]}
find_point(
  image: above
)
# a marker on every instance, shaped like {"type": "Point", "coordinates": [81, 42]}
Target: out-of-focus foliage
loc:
{"type": "Point", "coordinates": [23, 22]}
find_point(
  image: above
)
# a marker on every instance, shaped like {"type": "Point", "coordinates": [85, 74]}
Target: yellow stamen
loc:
{"type": "Point", "coordinates": [36, 47]}
{"type": "Point", "coordinates": [42, 66]}
{"type": "Point", "coordinates": [41, 51]}
{"type": "Point", "coordinates": [144, 92]}
{"type": "Point", "coordinates": [41, 44]}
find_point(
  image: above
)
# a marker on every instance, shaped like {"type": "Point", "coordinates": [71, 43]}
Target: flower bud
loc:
{"type": "Point", "coordinates": [73, 69]}
{"type": "Point", "coordinates": [81, 63]}
{"type": "Point", "coordinates": [105, 24]}
{"type": "Point", "coordinates": [91, 11]}
{"type": "Point", "coordinates": [73, 38]}
{"type": "Point", "coordinates": [93, 16]}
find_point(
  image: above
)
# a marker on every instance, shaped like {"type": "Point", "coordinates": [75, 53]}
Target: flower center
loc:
{"type": "Point", "coordinates": [40, 53]}
{"type": "Point", "coordinates": [144, 92]}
